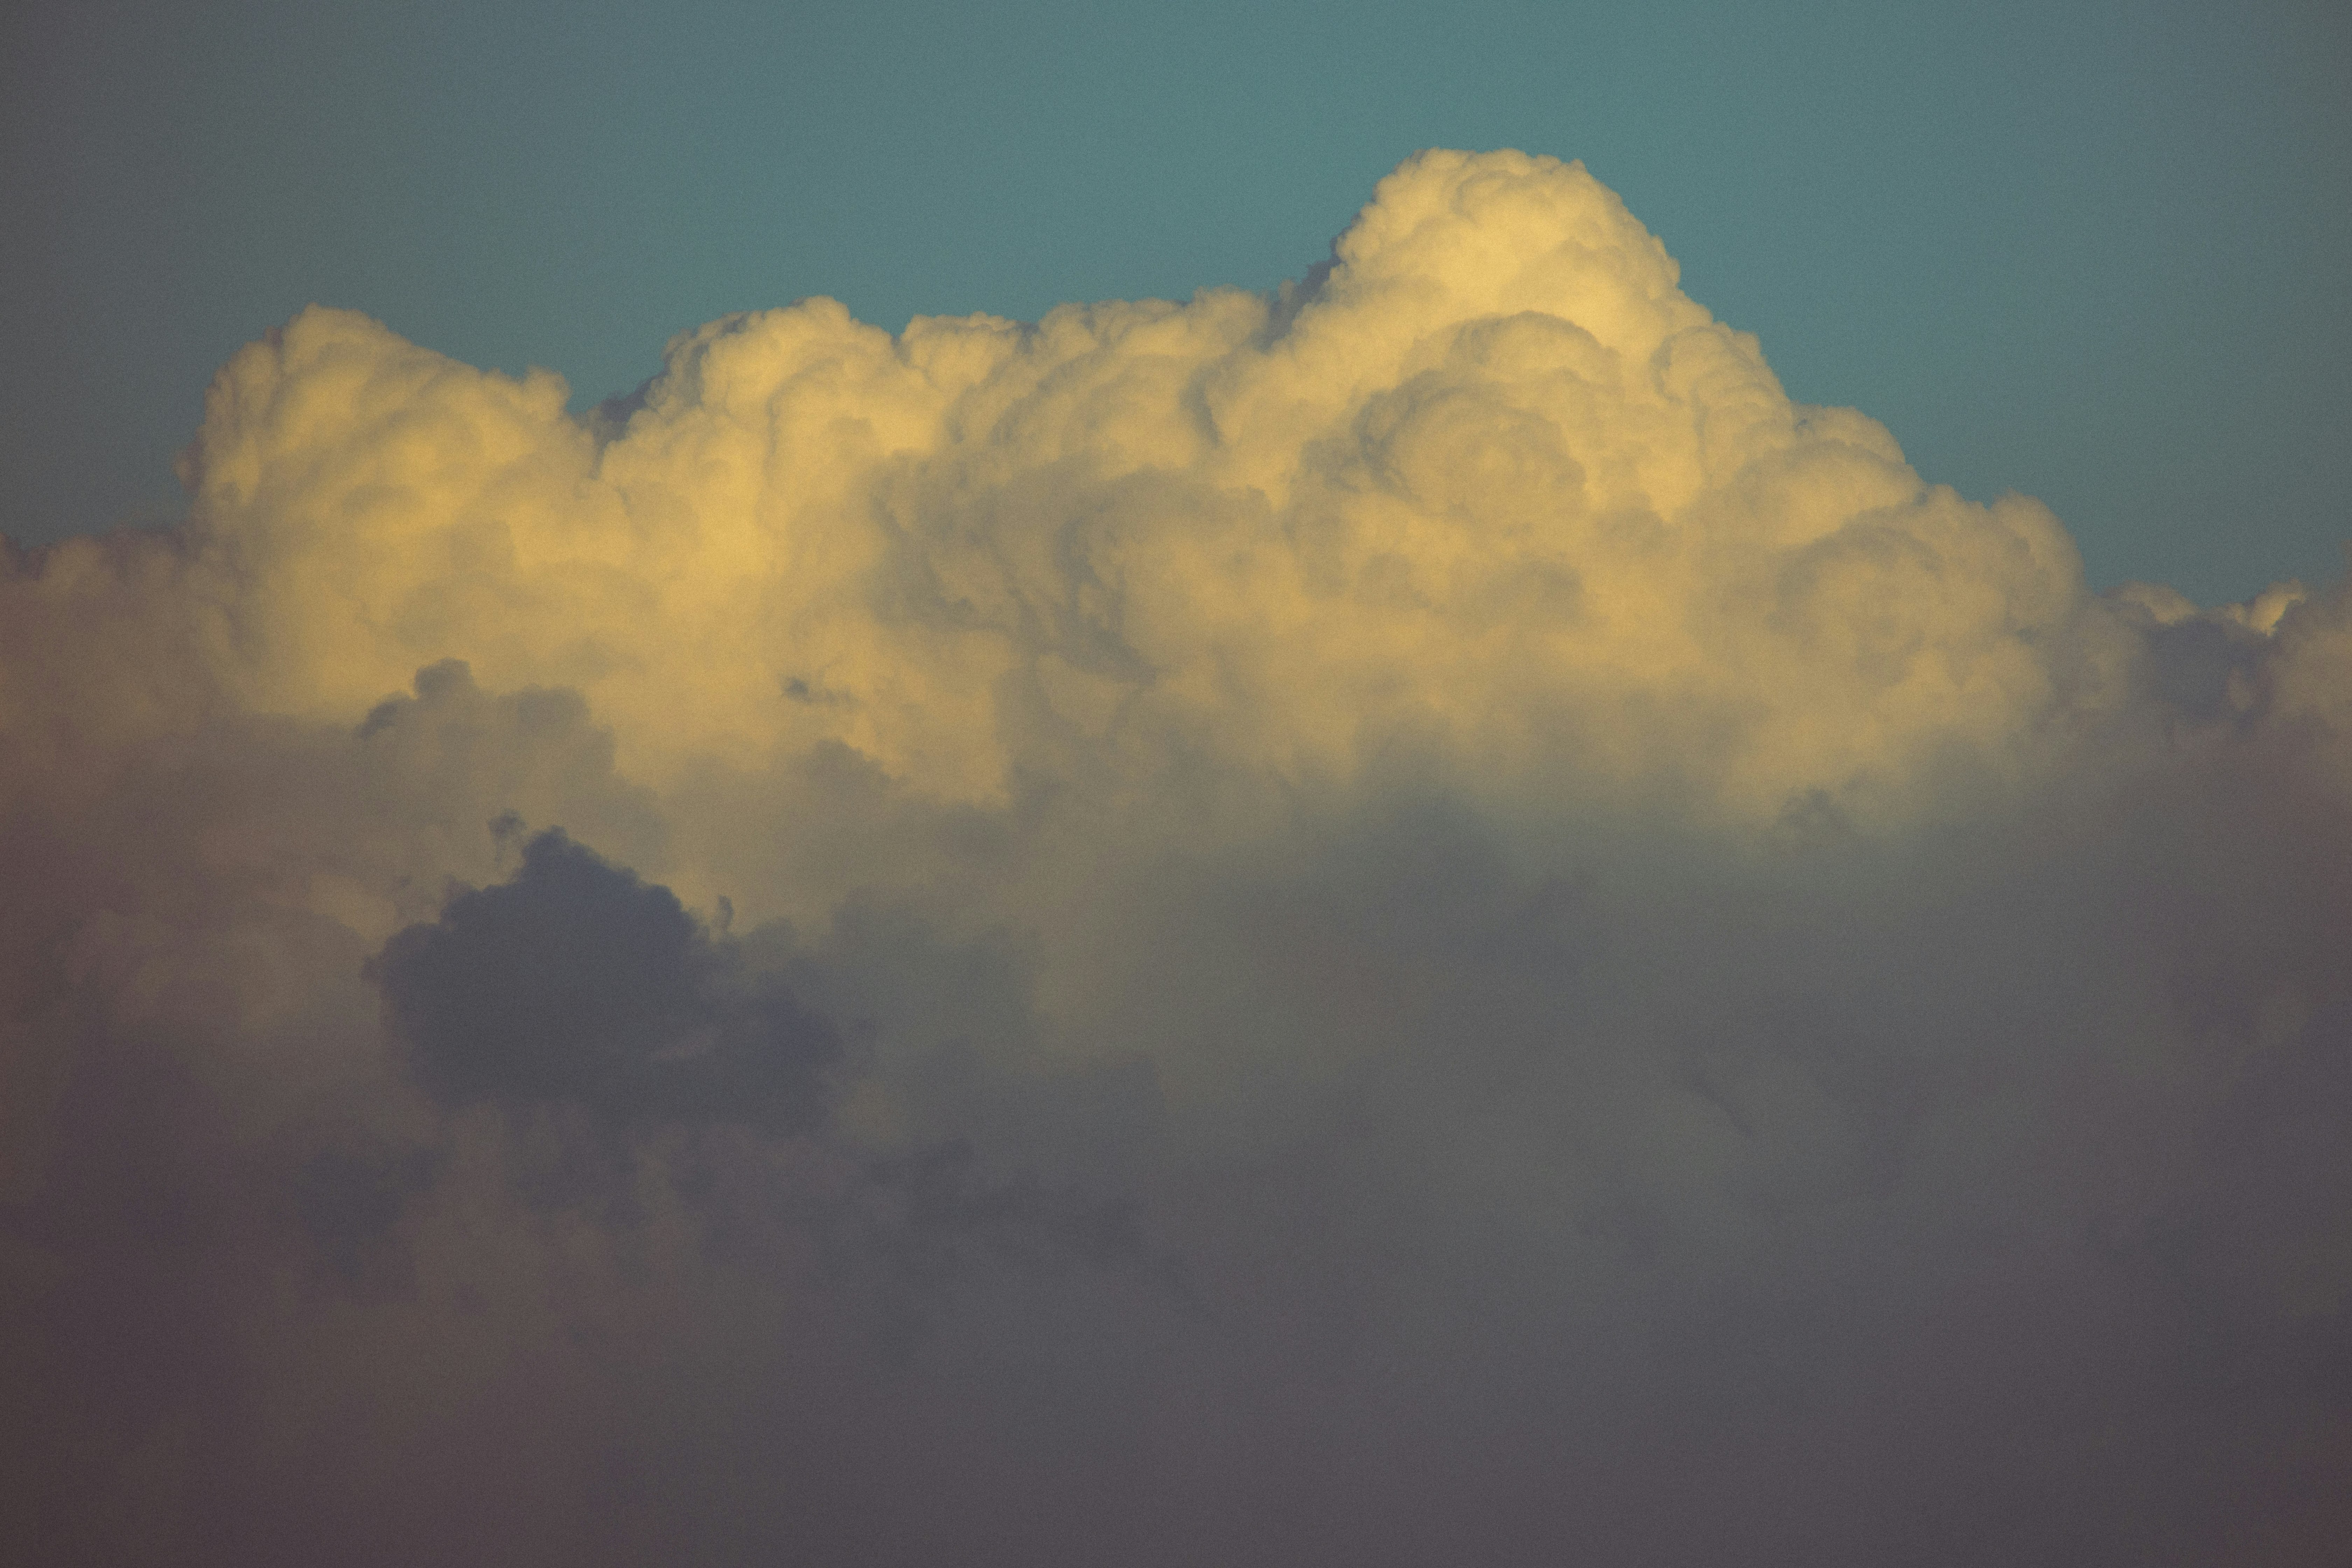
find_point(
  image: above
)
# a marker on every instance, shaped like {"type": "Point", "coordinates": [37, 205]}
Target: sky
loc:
{"type": "Point", "coordinates": [2091, 253]}
{"type": "Point", "coordinates": [1411, 893]}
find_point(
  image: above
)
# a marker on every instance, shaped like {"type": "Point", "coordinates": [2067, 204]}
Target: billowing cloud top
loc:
{"type": "Point", "coordinates": [1491, 482]}
{"type": "Point", "coordinates": [1409, 918]}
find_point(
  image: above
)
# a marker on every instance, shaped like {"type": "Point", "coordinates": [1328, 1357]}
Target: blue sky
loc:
{"type": "Point", "coordinates": [2094, 253]}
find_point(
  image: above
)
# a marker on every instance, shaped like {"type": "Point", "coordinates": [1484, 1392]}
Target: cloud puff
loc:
{"type": "Point", "coordinates": [1408, 918]}
{"type": "Point", "coordinates": [1492, 485]}
{"type": "Point", "coordinates": [575, 982]}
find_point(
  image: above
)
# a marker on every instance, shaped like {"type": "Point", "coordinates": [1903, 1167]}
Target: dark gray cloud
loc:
{"type": "Point", "coordinates": [1973, 1196]}
{"type": "Point", "coordinates": [576, 983]}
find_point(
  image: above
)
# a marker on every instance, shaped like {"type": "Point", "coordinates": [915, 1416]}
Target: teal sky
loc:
{"type": "Point", "coordinates": [2098, 252]}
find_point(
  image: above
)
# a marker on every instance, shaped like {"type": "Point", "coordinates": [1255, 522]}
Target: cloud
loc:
{"type": "Point", "coordinates": [1493, 451]}
{"type": "Point", "coordinates": [1409, 918]}
{"type": "Point", "coordinates": [575, 982]}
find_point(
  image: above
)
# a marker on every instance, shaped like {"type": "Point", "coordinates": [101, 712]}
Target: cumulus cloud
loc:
{"type": "Point", "coordinates": [1411, 918]}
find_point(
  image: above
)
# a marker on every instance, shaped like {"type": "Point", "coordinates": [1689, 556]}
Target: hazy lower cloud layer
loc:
{"type": "Point", "coordinates": [1409, 921]}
